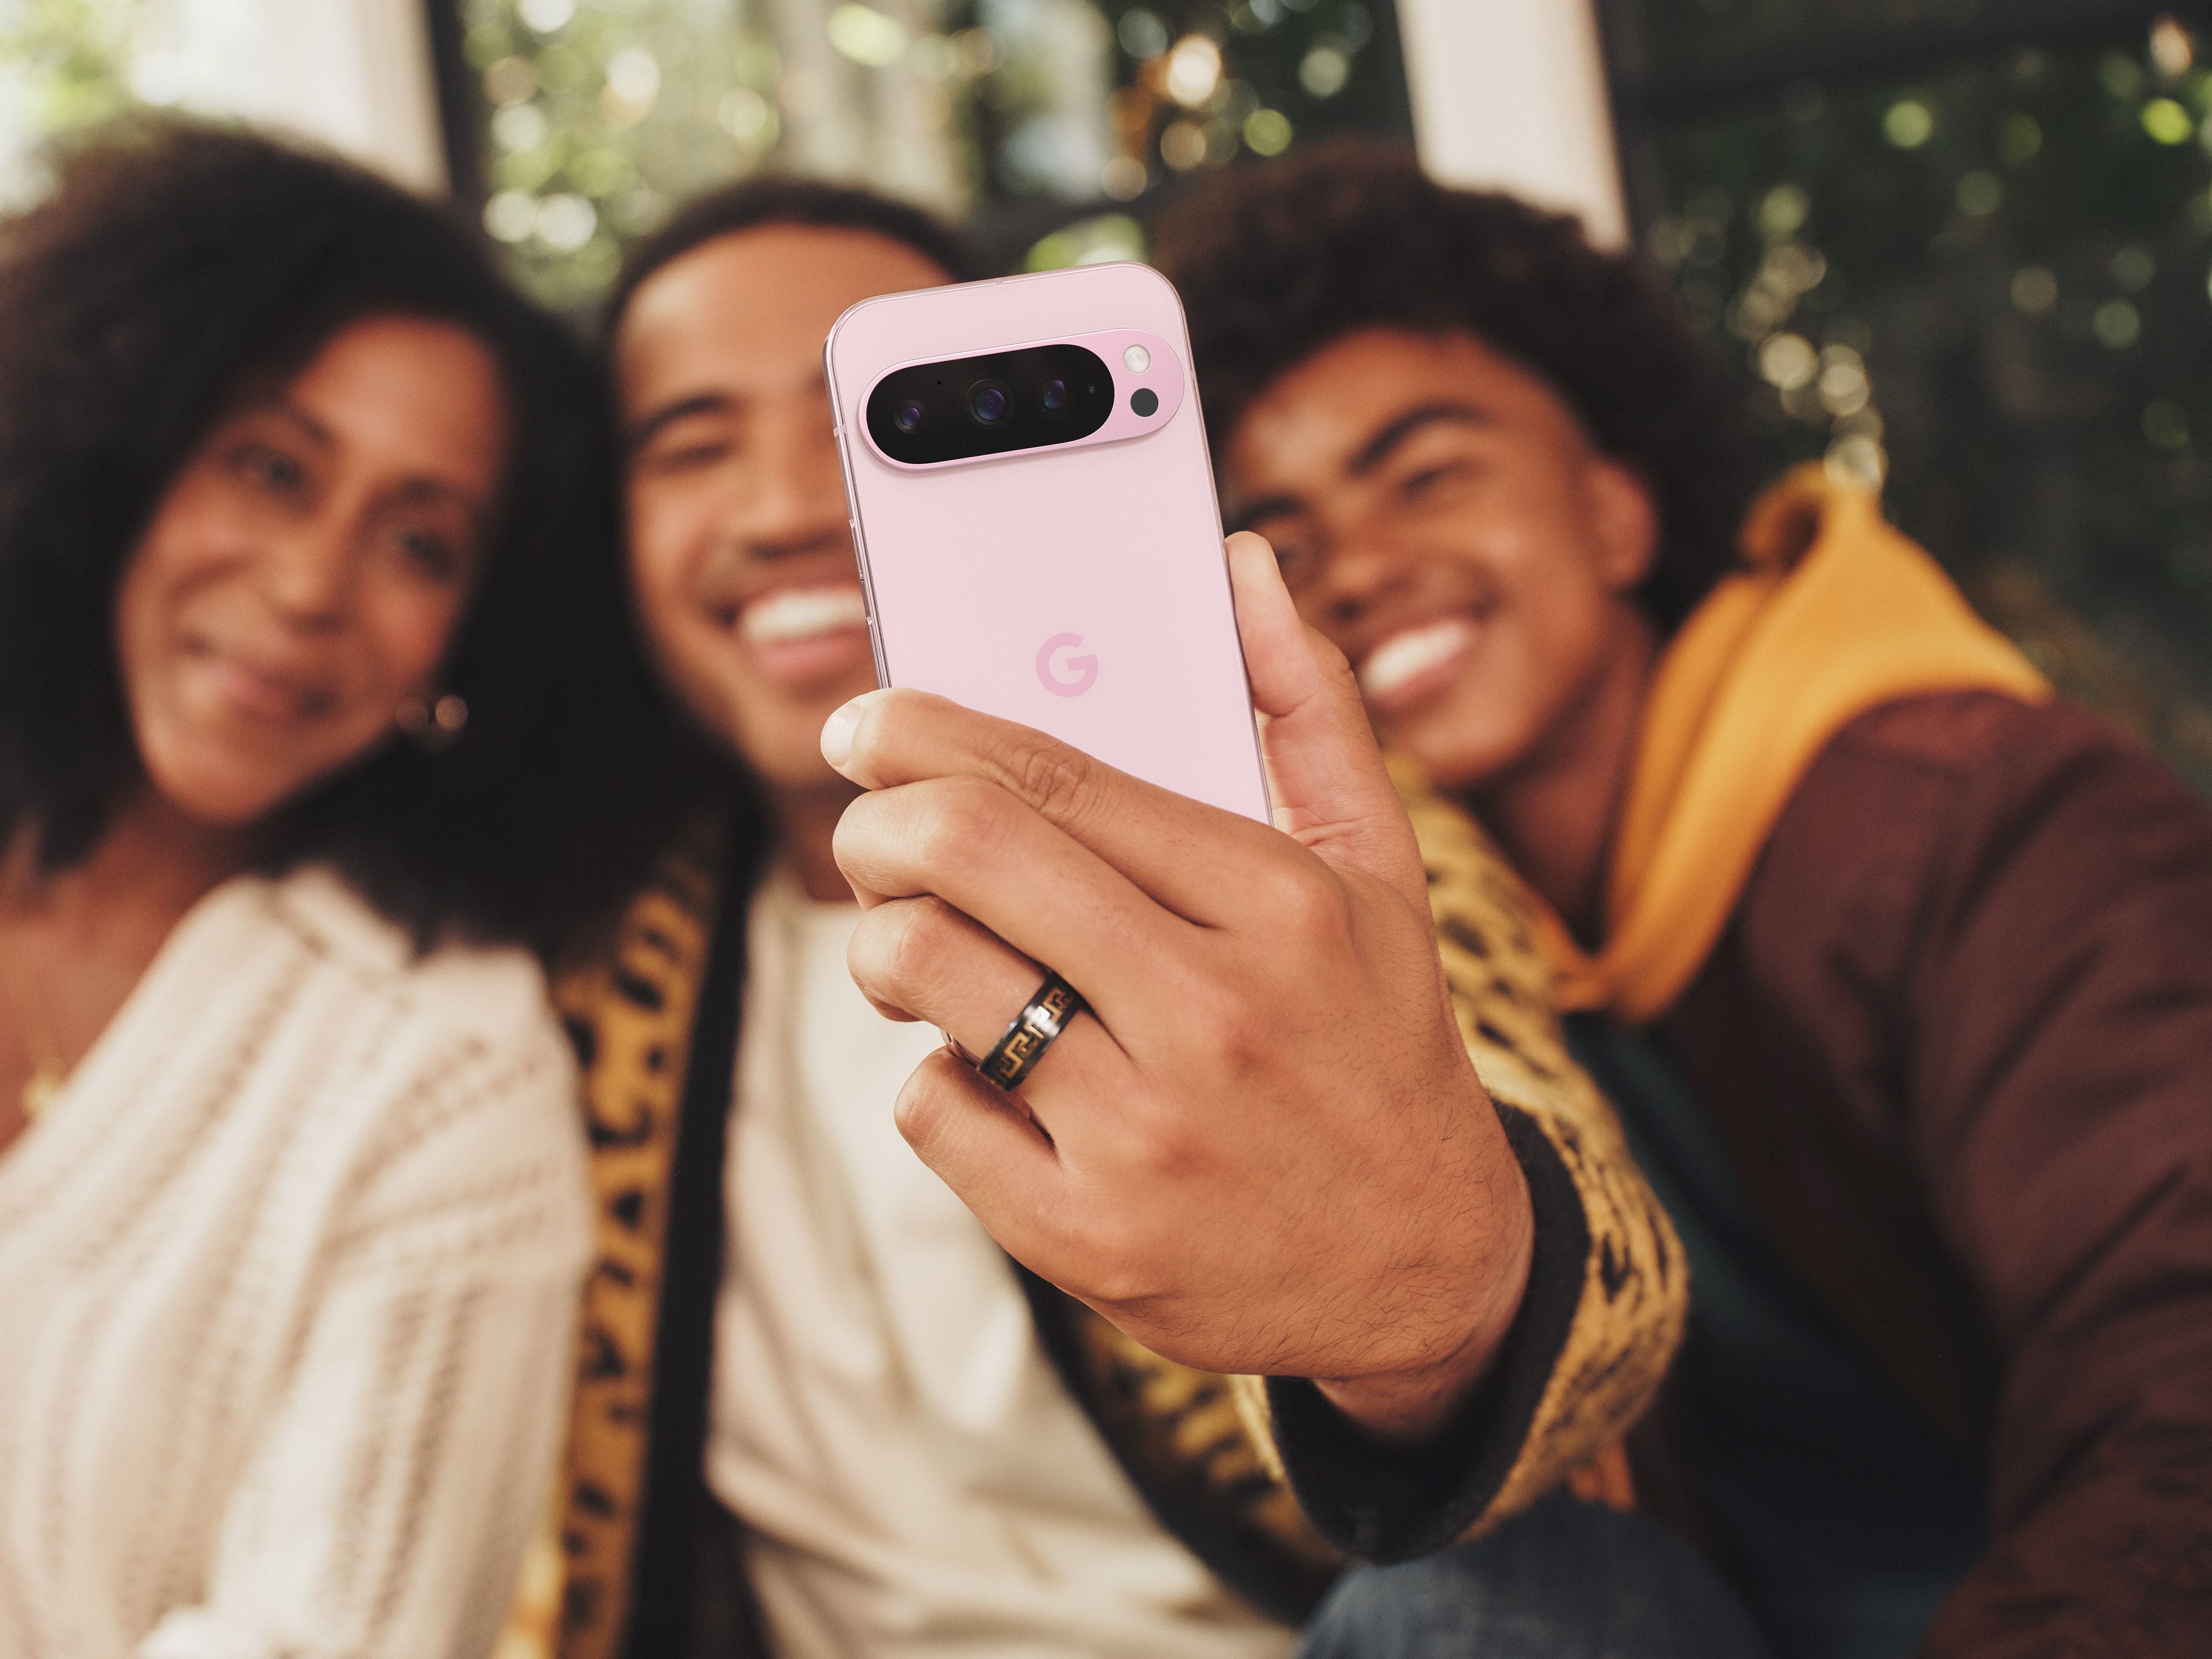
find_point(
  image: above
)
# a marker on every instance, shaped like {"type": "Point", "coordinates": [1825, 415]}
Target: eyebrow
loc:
{"type": "Point", "coordinates": [1267, 507]}
{"type": "Point", "coordinates": [1369, 456]}
{"type": "Point", "coordinates": [1377, 450]}
{"type": "Point", "coordinates": [704, 403]}
{"type": "Point", "coordinates": [289, 412]}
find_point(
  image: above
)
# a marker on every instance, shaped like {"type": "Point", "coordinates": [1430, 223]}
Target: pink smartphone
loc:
{"type": "Point", "coordinates": [1034, 510]}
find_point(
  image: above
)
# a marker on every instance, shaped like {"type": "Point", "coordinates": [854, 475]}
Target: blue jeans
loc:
{"type": "Point", "coordinates": [1567, 1580]}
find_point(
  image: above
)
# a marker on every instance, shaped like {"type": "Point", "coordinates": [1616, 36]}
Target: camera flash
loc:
{"type": "Point", "coordinates": [1138, 359]}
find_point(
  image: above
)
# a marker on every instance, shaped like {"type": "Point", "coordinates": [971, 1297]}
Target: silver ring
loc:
{"type": "Point", "coordinates": [1048, 1012]}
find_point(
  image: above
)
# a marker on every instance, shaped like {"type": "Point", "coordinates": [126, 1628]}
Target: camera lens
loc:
{"type": "Point", "coordinates": [1055, 394]}
{"type": "Point", "coordinates": [989, 402]}
{"type": "Point", "coordinates": [910, 416]}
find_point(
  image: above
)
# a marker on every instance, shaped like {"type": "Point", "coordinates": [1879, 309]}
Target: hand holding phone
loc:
{"type": "Point", "coordinates": [1264, 1148]}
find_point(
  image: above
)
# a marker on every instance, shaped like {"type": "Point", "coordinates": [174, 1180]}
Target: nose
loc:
{"type": "Point", "coordinates": [307, 573]}
{"type": "Point", "coordinates": [1363, 570]}
{"type": "Point", "coordinates": [794, 500]}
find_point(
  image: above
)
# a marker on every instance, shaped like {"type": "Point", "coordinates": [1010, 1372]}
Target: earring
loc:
{"type": "Point", "coordinates": [432, 725]}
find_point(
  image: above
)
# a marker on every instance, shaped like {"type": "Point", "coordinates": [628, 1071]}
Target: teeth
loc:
{"type": "Point", "coordinates": [1403, 656]}
{"type": "Point", "coordinates": [801, 613]}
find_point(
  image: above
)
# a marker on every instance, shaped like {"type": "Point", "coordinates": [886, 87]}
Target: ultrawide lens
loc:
{"type": "Point", "coordinates": [1055, 394]}
{"type": "Point", "coordinates": [988, 402]}
{"type": "Point", "coordinates": [910, 416]}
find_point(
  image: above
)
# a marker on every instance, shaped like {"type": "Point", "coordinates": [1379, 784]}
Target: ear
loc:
{"type": "Point", "coordinates": [1627, 519]}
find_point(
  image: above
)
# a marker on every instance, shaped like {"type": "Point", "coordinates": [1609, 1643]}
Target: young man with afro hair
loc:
{"type": "Point", "coordinates": [1900, 971]}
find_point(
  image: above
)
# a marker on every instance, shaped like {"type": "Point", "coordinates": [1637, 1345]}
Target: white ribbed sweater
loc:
{"type": "Point", "coordinates": [287, 1283]}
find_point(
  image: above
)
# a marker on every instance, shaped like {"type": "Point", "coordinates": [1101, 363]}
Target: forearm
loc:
{"type": "Point", "coordinates": [1600, 1304]}
{"type": "Point", "coordinates": [1599, 1319]}
{"type": "Point", "coordinates": [1406, 1409]}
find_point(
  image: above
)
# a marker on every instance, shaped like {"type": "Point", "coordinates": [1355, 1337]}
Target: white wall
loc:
{"type": "Point", "coordinates": [1510, 94]}
{"type": "Point", "coordinates": [354, 74]}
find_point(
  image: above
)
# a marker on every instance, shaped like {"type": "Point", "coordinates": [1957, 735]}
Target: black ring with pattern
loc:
{"type": "Point", "coordinates": [1046, 1013]}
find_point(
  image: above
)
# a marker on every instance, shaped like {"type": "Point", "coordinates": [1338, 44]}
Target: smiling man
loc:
{"type": "Point", "coordinates": [874, 1367]}
{"type": "Point", "coordinates": [1899, 972]}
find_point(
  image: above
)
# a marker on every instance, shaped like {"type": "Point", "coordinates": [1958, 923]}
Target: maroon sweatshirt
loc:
{"type": "Point", "coordinates": [1958, 1042]}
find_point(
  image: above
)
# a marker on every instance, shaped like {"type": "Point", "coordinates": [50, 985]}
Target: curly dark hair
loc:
{"type": "Point", "coordinates": [773, 199]}
{"type": "Point", "coordinates": [1278, 260]}
{"type": "Point", "coordinates": [177, 270]}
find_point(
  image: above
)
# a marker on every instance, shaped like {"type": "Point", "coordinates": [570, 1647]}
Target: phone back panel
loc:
{"type": "Point", "coordinates": [1078, 589]}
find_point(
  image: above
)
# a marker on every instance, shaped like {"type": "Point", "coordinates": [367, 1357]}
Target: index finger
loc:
{"type": "Point", "coordinates": [1185, 854]}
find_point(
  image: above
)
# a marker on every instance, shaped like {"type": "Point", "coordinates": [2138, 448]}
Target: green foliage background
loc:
{"type": "Point", "coordinates": [2016, 245]}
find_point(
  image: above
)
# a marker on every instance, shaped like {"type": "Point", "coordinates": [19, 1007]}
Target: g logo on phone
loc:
{"type": "Point", "coordinates": [1085, 670]}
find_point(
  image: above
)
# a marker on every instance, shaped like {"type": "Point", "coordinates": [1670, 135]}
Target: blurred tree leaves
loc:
{"type": "Point", "coordinates": [72, 58]}
{"type": "Point", "coordinates": [1989, 278]}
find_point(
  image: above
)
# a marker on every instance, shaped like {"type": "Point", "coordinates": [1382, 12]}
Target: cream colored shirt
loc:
{"type": "Point", "coordinates": [913, 1477]}
{"type": "Point", "coordinates": [288, 1280]}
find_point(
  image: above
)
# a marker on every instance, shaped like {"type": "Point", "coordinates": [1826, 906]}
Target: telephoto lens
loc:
{"type": "Point", "coordinates": [1055, 394]}
{"type": "Point", "coordinates": [910, 416]}
{"type": "Point", "coordinates": [988, 402]}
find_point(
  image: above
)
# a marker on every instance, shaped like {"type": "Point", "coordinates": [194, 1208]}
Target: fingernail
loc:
{"type": "Point", "coordinates": [837, 733]}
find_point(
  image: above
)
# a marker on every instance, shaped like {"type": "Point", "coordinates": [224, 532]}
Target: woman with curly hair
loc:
{"type": "Point", "coordinates": [309, 635]}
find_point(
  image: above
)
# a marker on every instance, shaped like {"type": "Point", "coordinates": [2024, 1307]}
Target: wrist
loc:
{"type": "Point", "coordinates": [1403, 1408]}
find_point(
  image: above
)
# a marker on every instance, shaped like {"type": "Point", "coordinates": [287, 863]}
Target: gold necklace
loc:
{"type": "Point", "coordinates": [49, 1071]}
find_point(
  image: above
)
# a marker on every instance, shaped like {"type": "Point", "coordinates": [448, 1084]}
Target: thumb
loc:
{"type": "Point", "coordinates": [1330, 787]}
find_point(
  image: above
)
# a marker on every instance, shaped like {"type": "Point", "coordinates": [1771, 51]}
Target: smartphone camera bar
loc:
{"type": "Point", "coordinates": [993, 404]}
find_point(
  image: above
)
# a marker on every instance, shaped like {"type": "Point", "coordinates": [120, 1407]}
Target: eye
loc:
{"type": "Point", "coordinates": [1298, 552]}
{"type": "Point", "coordinates": [1430, 480]}
{"type": "Point", "coordinates": [687, 452]}
{"type": "Point", "coordinates": [269, 468]}
{"type": "Point", "coordinates": [430, 554]}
